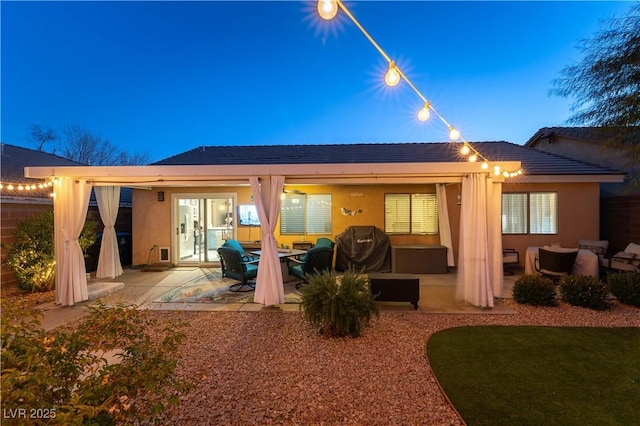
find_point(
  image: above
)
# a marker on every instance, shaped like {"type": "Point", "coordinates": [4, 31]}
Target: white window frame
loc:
{"type": "Point", "coordinates": [306, 214]}
{"type": "Point", "coordinates": [414, 214]}
{"type": "Point", "coordinates": [534, 213]}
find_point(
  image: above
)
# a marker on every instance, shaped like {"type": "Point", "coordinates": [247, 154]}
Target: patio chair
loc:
{"type": "Point", "coordinates": [555, 264]}
{"type": "Point", "coordinates": [324, 242]}
{"type": "Point", "coordinates": [510, 261]}
{"type": "Point", "coordinates": [233, 244]}
{"type": "Point", "coordinates": [627, 260]}
{"type": "Point", "coordinates": [239, 268]}
{"type": "Point", "coordinates": [314, 262]}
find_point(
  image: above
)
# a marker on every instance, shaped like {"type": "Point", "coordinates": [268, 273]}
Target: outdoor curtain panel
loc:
{"type": "Point", "coordinates": [108, 198]}
{"type": "Point", "coordinates": [479, 259]}
{"type": "Point", "coordinates": [269, 284]}
{"type": "Point", "coordinates": [443, 222]}
{"type": "Point", "coordinates": [71, 201]}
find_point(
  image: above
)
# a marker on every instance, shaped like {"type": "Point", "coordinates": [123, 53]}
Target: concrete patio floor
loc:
{"type": "Point", "coordinates": [134, 287]}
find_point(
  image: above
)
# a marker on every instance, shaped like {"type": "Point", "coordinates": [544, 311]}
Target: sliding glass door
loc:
{"type": "Point", "coordinates": [202, 222]}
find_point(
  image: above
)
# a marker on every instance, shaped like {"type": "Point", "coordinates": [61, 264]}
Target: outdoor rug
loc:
{"type": "Point", "coordinates": [212, 288]}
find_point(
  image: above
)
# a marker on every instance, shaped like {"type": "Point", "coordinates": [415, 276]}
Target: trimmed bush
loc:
{"type": "Point", "coordinates": [584, 291]}
{"type": "Point", "coordinates": [32, 256]}
{"type": "Point", "coordinates": [339, 306]}
{"type": "Point", "coordinates": [535, 290]}
{"type": "Point", "coordinates": [66, 373]}
{"type": "Point", "coordinates": [625, 286]}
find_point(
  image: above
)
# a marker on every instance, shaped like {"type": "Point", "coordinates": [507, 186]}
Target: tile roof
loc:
{"type": "Point", "coordinates": [596, 134]}
{"type": "Point", "coordinates": [534, 162]}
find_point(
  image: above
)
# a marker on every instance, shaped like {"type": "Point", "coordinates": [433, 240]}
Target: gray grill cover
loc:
{"type": "Point", "coordinates": [364, 248]}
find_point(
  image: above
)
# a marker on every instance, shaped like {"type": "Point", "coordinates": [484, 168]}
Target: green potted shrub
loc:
{"type": "Point", "coordinates": [339, 306]}
{"type": "Point", "coordinates": [535, 290]}
{"type": "Point", "coordinates": [32, 255]}
{"type": "Point", "coordinates": [584, 291]}
{"type": "Point", "coordinates": [625, 286]}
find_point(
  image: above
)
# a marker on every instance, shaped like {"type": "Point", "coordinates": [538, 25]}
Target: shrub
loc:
{"type": "Point", "coordinates": [625, 286]}
{"type": "Point", "coordinates": [584, 291]}
{"type": "Point", "coordinates": [339, 306]}
{"type": "Point", "coordinates": [535, 290]}
{"type": "Point", "coordinates": [32, 256]}
{"type": "Point", "coordinates": [66, 374]}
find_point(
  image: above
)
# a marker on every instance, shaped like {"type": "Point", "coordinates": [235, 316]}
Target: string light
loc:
{"type": "Point", "coordinates": [424, 113]}
{"type": "Point", "coordinates": [328, 9]}
{"type": "Point", "coordinates": [454, 134]}
{"type": "Point", "coordinates": [22, 187]}
{"type": "Point", "coordinates": [392, 77]}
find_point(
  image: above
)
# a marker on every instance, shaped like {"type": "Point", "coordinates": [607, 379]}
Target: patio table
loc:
{"type": "Point", "coordinates": [284, 254]}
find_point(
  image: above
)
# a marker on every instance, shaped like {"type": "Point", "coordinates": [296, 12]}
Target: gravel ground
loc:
{"type": "Point", "coordinates": [270, 367]}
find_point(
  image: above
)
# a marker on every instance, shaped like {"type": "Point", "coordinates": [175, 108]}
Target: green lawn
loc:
{"type": "Point", "coordinates": [500, 375]}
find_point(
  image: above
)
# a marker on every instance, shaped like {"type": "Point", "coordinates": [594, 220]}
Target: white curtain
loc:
{"type": "Point", "coordinates": [477, 265]}
{"type": "Point", "coordinates": [443, 222]}
{"type": "Point", "coordinates": [494, 229]}
{"type": "Point", "coordinates": [71, 201]}
{"type": "Point", "coordinates": [269, 284]}
{"type": "Point", "coordinates": [108, 198]}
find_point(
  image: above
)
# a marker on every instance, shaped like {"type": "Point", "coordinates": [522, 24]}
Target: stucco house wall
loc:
{"type": "Point", "coordinates": [619, 202]}
{"type": "Point", "coordinates": [578, 216]}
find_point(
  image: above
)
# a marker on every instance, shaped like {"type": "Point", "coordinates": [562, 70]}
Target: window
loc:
{"type": "Point", "coordinates": [306, 214]}
{"type": "Point", "coordinates": [410, 214]}
{"type": "Point", "coordinates": [533, 213]}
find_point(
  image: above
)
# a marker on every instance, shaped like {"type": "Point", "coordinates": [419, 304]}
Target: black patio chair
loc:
{"type": "Point", "coordinates": [555, 264]}
{"type": "Point", "coordinates": [235, 265]}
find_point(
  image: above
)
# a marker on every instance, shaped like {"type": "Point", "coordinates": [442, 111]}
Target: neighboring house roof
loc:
{"type": "Point", "coordinates": [346, 163]}
{"type": "Point", "coordinates": [14, 159]}
{"type": "Point", "coordinates": [533, 162]}
{"type": "Point", "coordinates": [592, 134]}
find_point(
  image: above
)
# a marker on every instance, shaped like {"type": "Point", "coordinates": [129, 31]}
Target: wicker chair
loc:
{"type": "Point", "coordinates": [555, 264]}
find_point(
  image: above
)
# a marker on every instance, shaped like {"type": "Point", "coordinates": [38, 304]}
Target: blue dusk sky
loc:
{"type": "Point", "coordinates": [165, 77]}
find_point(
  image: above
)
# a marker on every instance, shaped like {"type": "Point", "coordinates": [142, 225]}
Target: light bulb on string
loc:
{"type": "Point", "coordinates": [497, 170]}
{"type": "Point", "coordinates": [485, 165]}
{"type": "Point", "coordinates": [454, 135]}
{"type": "Point", "coordinates": [424, 113]}
{"type": "Point", "coordinates": [465, 150]}
{"type": "Point", "coordinates": [392, 77]}
{"type": "Point", "coordinates": [327, 9]}
{"type": "Point", "coordinates": [473, 158]}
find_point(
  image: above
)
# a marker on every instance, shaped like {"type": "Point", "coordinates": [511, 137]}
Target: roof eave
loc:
{"type": "Point", "coordinates": [201, 174]}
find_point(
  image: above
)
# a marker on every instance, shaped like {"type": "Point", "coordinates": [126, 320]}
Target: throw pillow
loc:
{"type": "Point", "coordinates": [624, 257]}
{"type": "Point", "coordinates": [633, 248]}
